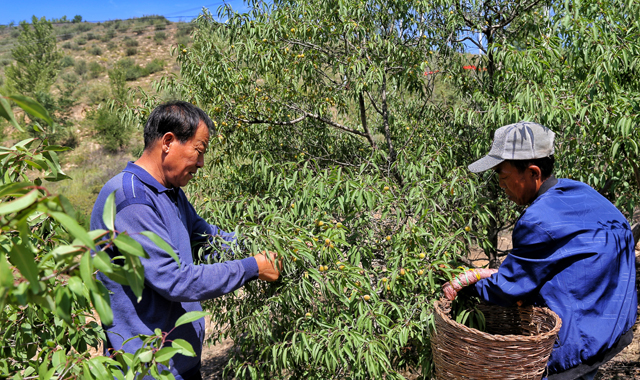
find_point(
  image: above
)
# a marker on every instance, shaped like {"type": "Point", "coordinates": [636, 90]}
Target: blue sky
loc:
{"type": "Point", "coordinates": [104, 10]}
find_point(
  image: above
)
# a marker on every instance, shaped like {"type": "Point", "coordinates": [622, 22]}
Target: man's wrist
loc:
{"type": "Point", "coordinates": [250, 266]}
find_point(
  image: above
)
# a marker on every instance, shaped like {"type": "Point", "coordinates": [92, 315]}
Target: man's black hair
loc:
{"type": "Point", "coordinates": [181, 118]}
{"type": "Point", "coordinates": [545, 164]}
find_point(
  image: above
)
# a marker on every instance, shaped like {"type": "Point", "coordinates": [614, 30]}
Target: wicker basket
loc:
{"type": "Point", "coordinates": [517, 343]}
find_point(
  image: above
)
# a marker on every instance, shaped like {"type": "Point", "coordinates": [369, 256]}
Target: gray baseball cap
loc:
{"type": "Point", "coordinates": [520, 141]}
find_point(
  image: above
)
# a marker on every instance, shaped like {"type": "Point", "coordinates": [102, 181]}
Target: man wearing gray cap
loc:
{"type": "Point", "coordinates": [573, 252]}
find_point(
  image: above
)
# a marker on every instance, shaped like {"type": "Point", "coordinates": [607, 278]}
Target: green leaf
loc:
{"type": "Point", "coordinates": [118, 275]}
{"type": "Point", "coordinates": [32, 107]}
{"type": "Point", "coordinates": [126, 243]}
{"type": "Point", "coordinates": [109, 211]}
{"type": "Point", "coordinates": [76, 286]}
{"type": "Point", "coordinates": [190, 317]}
{"type": "Point", "coordinates": [7, 113]}
{"type": "Point", "coordinates": [157, 240]}
{"type": "Point", "coordinates": [86, 271]}
{"type": "Point", "coordinates": [146, 356]}
{"type": "Point", "coordinates": [166, 353]}
{"type": "Point", "coordinates": [20, 203]}
{"type": "Point", "coordinates": [14, 189]}
{"type": "Point", "coordinates": [63, 304]}
{"type": "Point", "coordinates": [23, 259]}
{"type": "Point", "coordinates": [74, 228]}
{"type": "Point", "coordinates": [185, 347]}
{"type": "Point", "coordinates": [65, 250]}
{"type": "Point", "coordinates": [6, 276]}
{"type": "Point", "coordinates": [102, 262]}
{"type": "Point", "coordinates": [66, 205]}
{"type": "Point", "coordinates": [100, 300]}
{"type": "Point", "coordinates": [56, 148]}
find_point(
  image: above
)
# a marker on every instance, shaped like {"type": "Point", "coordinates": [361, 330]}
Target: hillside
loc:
{"type": "Point", "coordinates": [142, 47]}
{"type": "Point", "coordinates": [101, 45]}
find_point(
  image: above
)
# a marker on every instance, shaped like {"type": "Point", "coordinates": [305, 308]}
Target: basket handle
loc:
{"type": "Point", "coordinates": [464, 279]}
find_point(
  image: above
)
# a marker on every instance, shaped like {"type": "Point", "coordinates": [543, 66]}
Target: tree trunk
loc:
{"type": "Point", "coordinates": [393, 155]}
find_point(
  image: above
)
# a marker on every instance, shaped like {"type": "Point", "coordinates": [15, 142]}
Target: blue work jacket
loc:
{"type": "Point", "coordinates": [573, 252]}
{"type": "Point", "coordinates": [143, 204]}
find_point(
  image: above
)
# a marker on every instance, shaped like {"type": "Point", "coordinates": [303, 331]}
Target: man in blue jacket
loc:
{"type": "Point", "coordinates": [148, 198]}
{"type": "Point", "coordinates": [573, 252]}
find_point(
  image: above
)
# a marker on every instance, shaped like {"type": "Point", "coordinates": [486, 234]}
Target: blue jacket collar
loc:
{"type": "Point", "coordinates": [145, 177]}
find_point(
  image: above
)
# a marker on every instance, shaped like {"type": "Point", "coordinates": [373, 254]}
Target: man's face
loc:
{"type": "Point", "coordinates": [519, 187]}
{"type": "Point", "coordinates": [184, 159]}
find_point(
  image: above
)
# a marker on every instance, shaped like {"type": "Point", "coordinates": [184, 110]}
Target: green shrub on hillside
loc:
{"type": "Point", "coordinates": [80, 67]}
{"type": "Point", "coordinates": [160, 37]}
{"type": "Point", "coordinates": [95, 69]}
{"type": "Point", "coordinates": [108, 35]}
{"type": "Point", "coordinates": [67, 45]}
{"type": "Point", "coordinates": [95, 50]}
{"type": "Point", "coordinates": [155, 66]}
{"type": "Point", "coordinates": [97, 93]}
{"type": "Point", "coordinates": [131, 51]}
{"type": "Point", "coordinates": [110, 132]}
{"type": "Point", "coordinates": [131, 70]}
{"type": "Point", "coordinates": [184, 29]}
{"type": "Point", "coordinates": [130, 42]}
{"type": "Point", "coordinates": [92, 36]}
{"type": "Point", "coordinates": [81, 41]}
{"type": "Point", "coordinates": [84, 27]}
{"type": "Point", "coordinates": [65, 34]}
{"type": "Point", "coordinates": [184, 40]}
{"type": "Point", "coordinates": [5, 61]}
{"type": "Point", "coordinates": [67, 61]}
{"type": "Point", "coordinates": [70, 78]}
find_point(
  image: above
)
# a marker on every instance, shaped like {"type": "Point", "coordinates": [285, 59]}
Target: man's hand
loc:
{"type": "Point", "coordinates": [268, 268]}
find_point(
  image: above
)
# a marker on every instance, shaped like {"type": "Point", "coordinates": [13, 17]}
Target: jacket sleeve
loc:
{"type": "Point", "coordinates": [534, 260]}
{"type": "Point", "coordinates": [188, 282]}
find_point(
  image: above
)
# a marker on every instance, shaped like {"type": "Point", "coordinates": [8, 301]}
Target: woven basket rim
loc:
{"type": "Point", "coordinates": [502, 338]}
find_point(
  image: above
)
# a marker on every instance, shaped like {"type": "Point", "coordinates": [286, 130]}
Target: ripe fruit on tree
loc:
{"type": "Point", "coordinates": [366, 297]}
{"type": "Point", "coordinates": [402, 272]}
{"type": "Point", "coordinates": [421, 255]}
{"type": "Point", "coordinates": [467, 228]}
{"type": "Point", "coordinates": [388, 238]}
{"type": "Point", "coordinates": [308, 315]}
{"type": "Point", "coordinates": [384, 279]}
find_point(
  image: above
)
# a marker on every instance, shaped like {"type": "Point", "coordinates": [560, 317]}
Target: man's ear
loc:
{"type": "Point", "coordinates": [167, 140]}
{"type": "Point", "coordinates": [535, 171]}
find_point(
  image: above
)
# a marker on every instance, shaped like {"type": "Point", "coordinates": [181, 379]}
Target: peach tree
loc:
{"type": "Point", "coordinates": [330, 150]}
{"type": "Point", "coordinates": [543, 66]}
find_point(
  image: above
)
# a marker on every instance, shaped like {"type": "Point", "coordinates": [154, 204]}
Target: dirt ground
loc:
{"type": "Point", "coordinates": [625, 366]}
